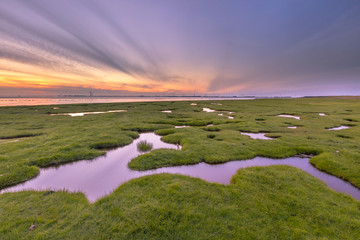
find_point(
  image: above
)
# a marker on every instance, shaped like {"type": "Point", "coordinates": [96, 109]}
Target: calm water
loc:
{"type": "Point", "coordinates": [257, 136]}
{"type": "Point", "coordinates": [338, 128]}
{"type": "Point", "coordinates": [50, 101]}
{"type": "Point", "coordinates": [289, 116]}
{"type": "Point", "coordinates": [99, 177]}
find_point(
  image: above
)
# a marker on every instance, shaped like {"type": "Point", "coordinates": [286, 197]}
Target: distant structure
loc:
{"type": "Point", "coordinates": [91, 94]}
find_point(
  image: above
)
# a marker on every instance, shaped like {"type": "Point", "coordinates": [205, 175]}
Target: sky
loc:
{"type": "Point", "coordinates": [184, 47]}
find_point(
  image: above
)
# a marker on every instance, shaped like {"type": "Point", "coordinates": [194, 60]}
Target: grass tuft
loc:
{"type": "Point", "coordinates": [144, 146]}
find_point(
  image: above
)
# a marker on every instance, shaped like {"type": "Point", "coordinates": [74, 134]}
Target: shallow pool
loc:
{"type": "Point", "coordinates": [100, 176]}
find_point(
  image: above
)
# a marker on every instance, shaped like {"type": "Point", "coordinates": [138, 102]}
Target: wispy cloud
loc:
{"type": "Point", "coordinates": [148, 46]}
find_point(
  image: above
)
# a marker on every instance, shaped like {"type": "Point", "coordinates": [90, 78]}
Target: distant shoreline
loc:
{"type": "Point", "coordinates": [27, 101]}
{"type": "Point", "coordinates": [99, 96]}
{"type": "Point", "coordinates": [34, 101]}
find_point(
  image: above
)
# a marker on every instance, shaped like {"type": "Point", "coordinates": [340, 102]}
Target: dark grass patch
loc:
{"type": "Point", "coordinates": [272, 135]}
{"type": "Point", "coordinates": [350, 120]}
{"type": "Point", "coordinates": [308, 151]}
{"type": "Point", "coordinates": [211, 136]}
{"type": "Point", "coordinates": [24, 135]}
{"type": "Point", "coordinates": [350, 124]}
{"type": "Point", "coordinates": [343, 136]}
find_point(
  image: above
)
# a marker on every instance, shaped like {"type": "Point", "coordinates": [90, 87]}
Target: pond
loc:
{"type": "Point", "coordinates": [208, 110]}
{"type": "Point", "coordinates": [257, 136]}
{"type": "Point", "coordinates": [338, 128]}
{"type": "Point", "coordinates": [100, 176]}
{"type": "Point", "coordinates": [289, 116]}
{"type": "Point", "coordinates": [81, 114]}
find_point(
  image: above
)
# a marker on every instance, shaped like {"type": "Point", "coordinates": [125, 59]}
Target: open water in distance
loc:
{"type": "Point", "coordinates": [51, 101]}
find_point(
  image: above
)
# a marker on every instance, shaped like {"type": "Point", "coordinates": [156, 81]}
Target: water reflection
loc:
{"type": "Point", "coordinates": [50, 101]}
{"type": "Point", "coordinates": [81, 114]}
{"type": "Point", "coordinates": [99, 177]}
{"type": "Point", "coordinates": [338, 128]}
{"type": "Point", "coordinates": [257, 136]}
{"type": "Point", "coordinates": [289, 116]}
{"type": "Point", "coordinates": [208, 110]}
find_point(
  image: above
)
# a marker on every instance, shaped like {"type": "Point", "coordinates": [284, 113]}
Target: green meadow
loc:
{"type": "Point", "coordinates": [277, 202]}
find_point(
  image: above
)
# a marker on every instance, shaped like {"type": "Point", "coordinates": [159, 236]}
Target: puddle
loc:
{"type": "Point", "coordinates": [166, 111]}
{"type": "Point", "coordinates": [219, 104]}
{"type": "Point", "coordinates": [184, 126]}
{"type": "Point", "coordinates": [289, 116]}
{"type": "Point", "coordinates": [81, 114]}
{"type": "Point", "coordinates": [322, 114]}
{"type": "Point", "coordinates": [210, 125]}
{"type": "Point", "coordinates": [257, 136]}
{"type": "Point", "coordinates": [99, 177]}
{"type": "Point", "coordinates": [208, 110]}
{"type": "Point", "coordinates": [193, 104]}
{"type": "Point", "coordinates": [338, 128]}
{"type": "Point", "coordinates": [230, 117]}
{"type": "Point", "coordinates": [231, 112]}
{"type": "Point", "coordinates": [222, 173]}
{"type": "Point", "coordinates": [292, 127]}
{"type": "Point", "coordinates": [221, 114]}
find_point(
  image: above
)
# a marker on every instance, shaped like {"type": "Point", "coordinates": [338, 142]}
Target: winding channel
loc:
{"type": "Point", "coordinates": [102, 175]}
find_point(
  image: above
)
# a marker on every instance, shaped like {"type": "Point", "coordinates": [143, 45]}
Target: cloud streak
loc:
{"type": "Point", "coordinates": [229, 47]}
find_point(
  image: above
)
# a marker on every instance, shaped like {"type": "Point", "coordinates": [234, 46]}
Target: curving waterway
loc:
{"type": "Point", "coordinates": [102, 175]}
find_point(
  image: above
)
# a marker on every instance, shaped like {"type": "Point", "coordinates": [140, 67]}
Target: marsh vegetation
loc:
{"type": "Point", "coordinates": [144, 146]}
{"type": "Point", "coordinates": [269, 202]}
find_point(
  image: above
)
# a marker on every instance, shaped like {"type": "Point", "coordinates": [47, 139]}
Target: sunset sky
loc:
{"type": "Point", "coordinates": [113, 47]}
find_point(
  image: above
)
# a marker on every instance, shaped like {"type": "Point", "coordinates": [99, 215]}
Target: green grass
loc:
{"type": "Point", "coordinates": [262, 203]}
{"type": "Point", "coordinates": [144, 146]}
{"type": "Point", "coordinates": [277, 202]}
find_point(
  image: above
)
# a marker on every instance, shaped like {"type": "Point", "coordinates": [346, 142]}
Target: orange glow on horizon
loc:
{"type": "Point", "coordinates": [48, 79]}
{"type": "Point", "coordinates": [59, 72]}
